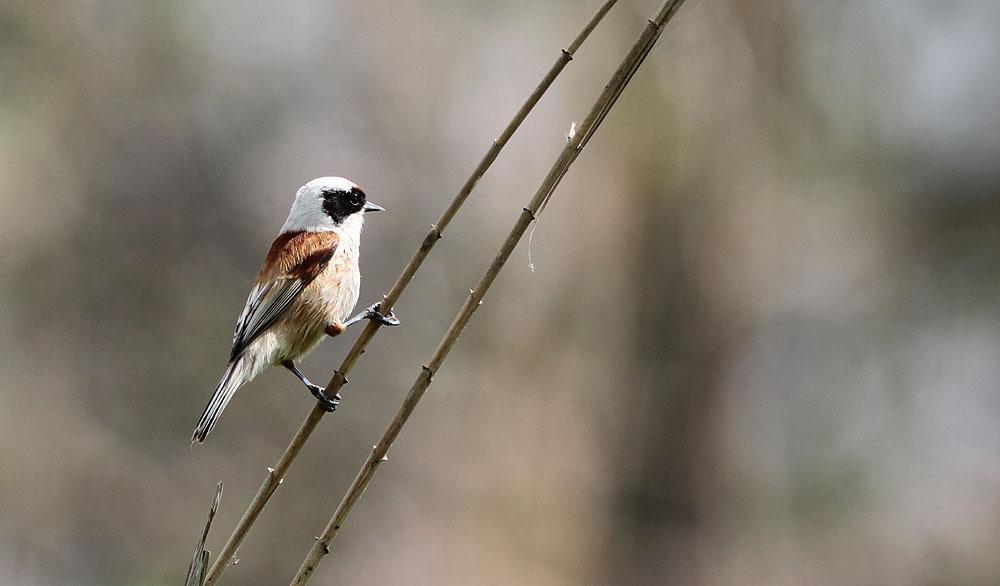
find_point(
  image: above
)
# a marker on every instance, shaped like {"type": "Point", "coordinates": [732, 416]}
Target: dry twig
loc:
{"type": "Point", "coordinates": [199, 562]}
{"type": "Point", "coordinates": [339, 379]}
{"type": "Point", "coordinates": [574, 146]}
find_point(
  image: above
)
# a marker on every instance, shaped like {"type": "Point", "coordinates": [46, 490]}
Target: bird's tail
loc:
{"type": "Point", "coordinates": [233, 379]}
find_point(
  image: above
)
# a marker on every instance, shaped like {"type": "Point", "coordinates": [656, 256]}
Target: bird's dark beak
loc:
{"type": "Point", "coordinates": [371, 207]}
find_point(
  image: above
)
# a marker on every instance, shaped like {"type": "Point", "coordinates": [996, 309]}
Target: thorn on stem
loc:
{"type": "Point", "coordinates": [572, 132]}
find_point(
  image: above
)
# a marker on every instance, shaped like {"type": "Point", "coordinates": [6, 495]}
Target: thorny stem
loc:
{"type": "Point", "coordinates": [574, 146]}
{"type": "Point", "coordinates": [339, 378]}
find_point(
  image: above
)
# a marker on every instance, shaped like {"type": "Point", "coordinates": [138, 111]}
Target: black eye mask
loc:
{"type": "Point", "coordinates": [339, 204]}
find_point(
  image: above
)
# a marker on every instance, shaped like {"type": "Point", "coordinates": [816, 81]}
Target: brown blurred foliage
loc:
{"type": "Point", "coordinates": [761, 344]}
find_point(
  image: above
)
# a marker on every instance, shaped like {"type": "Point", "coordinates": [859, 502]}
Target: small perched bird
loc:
{"type": "Point", "coordinates": [305, 290]}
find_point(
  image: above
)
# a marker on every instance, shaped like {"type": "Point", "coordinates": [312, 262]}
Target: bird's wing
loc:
{"type": "Point", "coordinates": [293, 262]}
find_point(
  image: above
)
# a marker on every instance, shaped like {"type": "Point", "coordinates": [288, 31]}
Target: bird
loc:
{"type": "Point", "coordinates": [308, 285]}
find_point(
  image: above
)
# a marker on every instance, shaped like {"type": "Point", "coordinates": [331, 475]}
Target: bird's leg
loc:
{"type": "Point", "coordinates": [372, 312]}
{"type": "Point", "coordinates": [335, 329]}
{"type": "Point", "coordinates": [325, 402]}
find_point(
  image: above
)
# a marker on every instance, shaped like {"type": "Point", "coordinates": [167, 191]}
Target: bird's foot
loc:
{"type": "Point", "coordinates": [326, 403]}
{"type": "Point", "coordinates": [372, 312]}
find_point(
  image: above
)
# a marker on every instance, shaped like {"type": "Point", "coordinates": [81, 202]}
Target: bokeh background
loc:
{"type": "Point", "coordinates": [761, 343]}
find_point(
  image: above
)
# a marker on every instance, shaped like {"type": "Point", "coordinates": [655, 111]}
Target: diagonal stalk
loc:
{"type": "Point", "coordinates": [339, 379]}
{"type": "Point", "coordinates": [574, 146]}
{"type": "Point", "coordinates": [199, 563]}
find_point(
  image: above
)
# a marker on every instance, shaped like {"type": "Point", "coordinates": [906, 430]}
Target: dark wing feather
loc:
{"type": "Point", "coordinates": [269, 300]}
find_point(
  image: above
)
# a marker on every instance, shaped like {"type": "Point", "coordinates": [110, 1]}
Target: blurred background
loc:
{"type": "Point", "coordinates": [761, 343]}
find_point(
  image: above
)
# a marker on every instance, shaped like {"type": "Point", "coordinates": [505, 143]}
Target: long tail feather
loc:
{"type": "Point", "coordinates": [232, 380]}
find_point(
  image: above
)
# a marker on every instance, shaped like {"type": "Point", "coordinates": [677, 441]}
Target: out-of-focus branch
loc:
{"type": "Point", "coordinates": [339, 379]}
{"type": "Point", "coordinates": [574, 146]}
{"type": "Point", "coordinates": [199, 562]}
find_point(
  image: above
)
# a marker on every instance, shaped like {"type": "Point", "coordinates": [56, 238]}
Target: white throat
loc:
{"type": "Point", "coordinates": [350, 231]}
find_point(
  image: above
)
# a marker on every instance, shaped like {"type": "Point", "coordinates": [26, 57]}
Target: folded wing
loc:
{"type": "Point", "coordinates": [295, 259]}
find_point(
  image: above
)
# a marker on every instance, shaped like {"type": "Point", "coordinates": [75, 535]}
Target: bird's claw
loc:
{"type": "Point", "coordinates": [373, 313]}
{"type": "Point", "coordinates": [326, 403]}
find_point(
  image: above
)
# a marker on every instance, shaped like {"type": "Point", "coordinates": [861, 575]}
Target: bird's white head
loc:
{"type": "Point", "coordinates": [327, 204]}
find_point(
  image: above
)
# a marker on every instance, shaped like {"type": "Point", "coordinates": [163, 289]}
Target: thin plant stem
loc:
{"type": "Point", "coordinates": [574, 146]}
{"type": "Point", "coordinates": [339, 379]}
{"type": "Point", "coordinates": [199, 563]}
